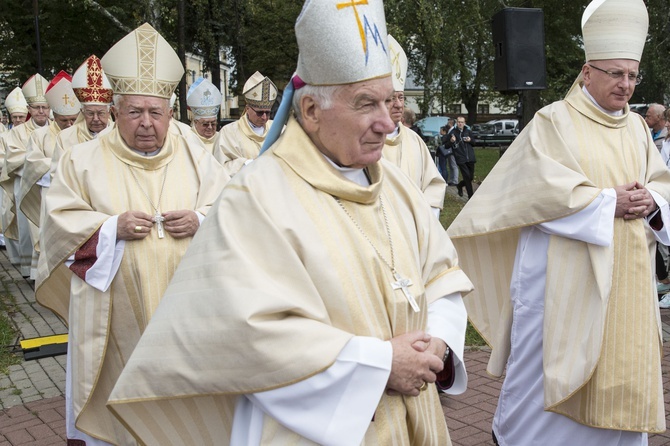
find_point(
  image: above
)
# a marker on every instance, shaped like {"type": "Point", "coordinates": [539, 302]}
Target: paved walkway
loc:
{"type": "Point", "coordinates": [32, 406]}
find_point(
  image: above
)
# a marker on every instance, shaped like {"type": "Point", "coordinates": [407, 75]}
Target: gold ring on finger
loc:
{"type": "Point", "coordinates": [138, 228]}
{"type": "Point", "coordinates": [423, 387]}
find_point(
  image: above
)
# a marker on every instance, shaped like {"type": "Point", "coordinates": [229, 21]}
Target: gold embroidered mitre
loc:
{"type": "Point", "coordinates": [259, 91]}
{"type": "Point", "coordinates": [398, 64]}
{"type": "Point", "coordinates": [143, 63]}
{"type": "Point", "coordinates": [34, 89]}
{"type": "Point", "coordinates": [15, 102]}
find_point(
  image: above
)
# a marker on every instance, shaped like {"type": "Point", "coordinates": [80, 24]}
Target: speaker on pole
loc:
{"type": "Point", "coordinates": [518, 37]}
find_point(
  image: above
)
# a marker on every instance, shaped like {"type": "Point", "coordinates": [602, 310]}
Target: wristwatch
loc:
{"type": "Point", "coordinates": [446, 354]}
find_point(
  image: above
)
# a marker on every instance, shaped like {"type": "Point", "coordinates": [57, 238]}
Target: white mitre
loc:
{"type": "Point", "coordinates": [15, 102]}
{"type": "Point", "coordinates": [61, 97]}
{"type": "Point", "coordinates": [342, 43]}
{"type": "Point", "coordinates": [259, 91]}
{"type": "Point", "coordinates": [90, 83]}
{"type": "Point", "coordinates": [398, 64]}
{"type": "Point", "coordinates": [204, 99]}
{"type": "Point", "coordinates": [34, 89]}
{"type": "Point", "coordinates": [615, 29]}
{"type": "Point", "coordinates": [143, 63]}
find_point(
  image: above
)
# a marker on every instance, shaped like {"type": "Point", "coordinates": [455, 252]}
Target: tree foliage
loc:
{"type": "Point", "coordinates": [448, 42]}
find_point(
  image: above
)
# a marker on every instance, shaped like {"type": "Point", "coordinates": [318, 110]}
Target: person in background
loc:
{"type": "Point", "coordinates": [461, 142]}
{"type": "Point", "coordinates": [655, 119]}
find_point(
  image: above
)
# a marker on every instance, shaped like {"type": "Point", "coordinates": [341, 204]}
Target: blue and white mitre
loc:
{"type": "Point", "coordinates": [204, 99]}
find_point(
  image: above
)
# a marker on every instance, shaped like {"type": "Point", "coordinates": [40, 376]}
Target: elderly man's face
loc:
{"type": "Point", "coordinates": [206, 127]}
{"type": "Point", "coordinates": [353, 131]}
{"type": "Point", "coordinates": [18, 118]}
{"type": "Point", "coordinates": [39, 113]}
{"type": "Point", "coordinates": [65, 121]}
{"type": "Point", "coordinates": [96, 117]}
{"type": "Point", "coordinates": [258, 116]}
{"type": "Point", "coordinates": [611, 94]}
{"type": "Point", "coordinates": [396, 106]}
{"type": "Point", "coordinates": [143, 121]}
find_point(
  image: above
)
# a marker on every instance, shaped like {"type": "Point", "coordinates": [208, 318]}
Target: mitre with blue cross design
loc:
{"type": "Point", "coordinates": [61, 97]}
{"type": "Point", "coordinates": [34, 89]}
{"type": "Point", "coordinates": [259, 91]}
{"type": "Point", "coordinates": [342, 42]}
{"type": "Point", "coordinates": [204, 99]}
{"type": "Point", "coordinates": [143, 63]}
{"type": "Point", "coordinates": [398, 64]}
{"type": "Point", "coordinates": [15, 102]}
{"type": "Point", "coordinates": [615, 29]}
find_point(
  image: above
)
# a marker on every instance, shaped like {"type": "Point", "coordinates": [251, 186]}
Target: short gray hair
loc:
{"type": "Point", "coordinates": [322, 94]}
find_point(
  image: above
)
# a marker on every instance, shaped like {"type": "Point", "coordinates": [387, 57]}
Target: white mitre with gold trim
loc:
{"type": "Point", "coordinates": [398, 64]}
{"type": "Point", "coordinates": [259, 91]}
{"type": "Point", "coordinates": [15, 102]}
{"type": "Point", "coordinates": [143, 63]}
{"type": "Point", "coordinates": [615, 29]}
{"type": "Point", "coordinates": [90, 83]}
{"type": "Point", "coordinates": [342, 42]}
{"type": "Point", "coordinates": [61, 97]}
{"type": "Point", "coordinates": [34, 89]}
{"type": "Point", "coordinates": [204, 99]}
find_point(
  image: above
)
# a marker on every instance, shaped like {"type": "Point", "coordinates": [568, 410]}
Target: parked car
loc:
{"type": "Point", "coordinates": [499, 132]}
{"type": "Point", "coordinates": [430, 126]}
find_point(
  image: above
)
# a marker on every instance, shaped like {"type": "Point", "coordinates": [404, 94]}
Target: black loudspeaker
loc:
{"type": "Point", "coordinates": [518, 37]}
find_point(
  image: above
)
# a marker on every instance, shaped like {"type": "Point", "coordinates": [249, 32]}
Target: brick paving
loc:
{"type": "Point", "coordinates": [32, 405]}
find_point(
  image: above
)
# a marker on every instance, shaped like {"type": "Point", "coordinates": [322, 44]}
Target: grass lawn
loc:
{"type": "Point", "coordinates": [486, 159]}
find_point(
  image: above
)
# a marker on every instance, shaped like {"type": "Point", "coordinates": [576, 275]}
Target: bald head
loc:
{"type": "Point", "coordinates": [655, 117]}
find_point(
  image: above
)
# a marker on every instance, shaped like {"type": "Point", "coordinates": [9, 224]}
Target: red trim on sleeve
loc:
{"type": "Point", "coordinates": [85, 257]}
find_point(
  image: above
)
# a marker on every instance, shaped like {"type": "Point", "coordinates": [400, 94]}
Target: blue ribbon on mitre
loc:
{"type": "Point", "coordinates": [281, 118]}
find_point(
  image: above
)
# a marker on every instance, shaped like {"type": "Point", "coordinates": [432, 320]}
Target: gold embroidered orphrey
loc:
{"type": "Point", "coordinates": [158, 218]}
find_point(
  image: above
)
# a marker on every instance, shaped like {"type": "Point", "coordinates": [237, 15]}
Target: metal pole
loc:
{"type": "Point", "coordinates": [36, 13]}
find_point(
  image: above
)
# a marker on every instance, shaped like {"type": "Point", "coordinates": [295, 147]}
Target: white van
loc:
{"type": "Point", "coordinates": [505, 127]}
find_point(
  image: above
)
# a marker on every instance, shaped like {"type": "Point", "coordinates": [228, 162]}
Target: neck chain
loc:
{"type": "Point", "coordinates": [158, 218]}
{"type": "Point", "coordinates": [401, 283]}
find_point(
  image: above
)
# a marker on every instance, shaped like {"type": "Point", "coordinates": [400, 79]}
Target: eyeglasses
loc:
{"type": "Point", "coordinates": [92, 114]}
{"type": "Point", "coordinates": [398, 98]}
{"type": "Point", "coordinates": [636, 78]}
{"type": "Point", "coordinates": [207, 124]}
{"type": "Point", "coordinates": [260, 113]}
{"type": "Point", "coordinates": [39, 107]}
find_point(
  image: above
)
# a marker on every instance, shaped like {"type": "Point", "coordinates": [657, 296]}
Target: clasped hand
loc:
{"type": "Point", "coordinates": [136, 225]}
{"type": "Point", "coordinates": [633, 201]}
{"type": "Point", "coordinates": [417, 358]}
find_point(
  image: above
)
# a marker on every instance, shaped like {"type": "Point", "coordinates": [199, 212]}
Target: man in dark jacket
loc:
{"type": "Point", "coordinates": [461, 141]}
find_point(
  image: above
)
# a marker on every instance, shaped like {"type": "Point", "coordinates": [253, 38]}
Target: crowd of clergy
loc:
{"type": "Point", "coordinates": [311, 295]}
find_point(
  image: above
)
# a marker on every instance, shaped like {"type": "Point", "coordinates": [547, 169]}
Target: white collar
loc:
{"type": "Point", "coordinates": [356, 175]}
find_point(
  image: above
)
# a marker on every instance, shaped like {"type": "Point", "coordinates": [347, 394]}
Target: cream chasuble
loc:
{"type": "Point", "coordinates": [600, 368]}
{"type": "Point", "coordinates": [209, 143]}
{"type": "Point", "coordinates": [3, 128]}
{"type": "Point", "coordinates": [38, 160]}
{"type": "Point", "coordinates": [16, 141]}
{"type": "Point", "coordinates": [72, 136]}
{"type": "Point", "coordinates": [281, 305]}
{"type": "Point", "coordinates": [95, 181]}
{"type": "Point", "coordinates": [238, 143]}
{"type": "Point", "coordinates": [408, 151]}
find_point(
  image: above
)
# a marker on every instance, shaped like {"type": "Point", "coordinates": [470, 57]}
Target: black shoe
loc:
{"type": "Point", "coordinates": [495, 440]}
{"type": "Point", "coordinates": [460, 191]}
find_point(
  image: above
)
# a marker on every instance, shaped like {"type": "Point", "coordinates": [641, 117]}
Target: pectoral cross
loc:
{"type": "Point", "coordinates": [403, 284]}
{"type": "Point", "coordinates": [159, 219]}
